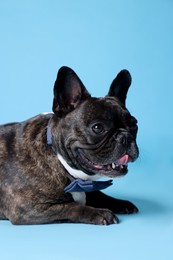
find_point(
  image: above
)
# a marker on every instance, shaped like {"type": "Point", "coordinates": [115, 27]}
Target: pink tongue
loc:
{"type": "Point", "coordinates": [123, 160]}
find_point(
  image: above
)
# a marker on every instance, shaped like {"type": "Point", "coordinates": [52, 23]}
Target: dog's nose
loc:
{"type": "Point", "coordinates": [124, 137]}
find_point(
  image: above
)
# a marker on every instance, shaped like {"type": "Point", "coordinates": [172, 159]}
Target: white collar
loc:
{"type": "Point", "coordinates": [76, 173]}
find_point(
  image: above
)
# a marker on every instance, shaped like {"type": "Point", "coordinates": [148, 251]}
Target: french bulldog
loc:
{"type": "Point", "coordinates": [51, 163]}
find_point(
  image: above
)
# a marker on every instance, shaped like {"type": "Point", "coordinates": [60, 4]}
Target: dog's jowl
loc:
{"type": "Point", "coordinates": [50, 165]}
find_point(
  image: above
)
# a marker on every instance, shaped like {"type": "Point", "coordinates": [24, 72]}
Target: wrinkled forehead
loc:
{"type": "Point", "coordinates": [108, 108]}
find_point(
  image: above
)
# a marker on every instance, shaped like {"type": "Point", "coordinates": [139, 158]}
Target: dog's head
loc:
{"type": "Point", "coordinates": [94, 135]}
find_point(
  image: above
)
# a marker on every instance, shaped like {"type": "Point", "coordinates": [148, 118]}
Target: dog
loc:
{"type": "Point", "coordinates": [51, 163]}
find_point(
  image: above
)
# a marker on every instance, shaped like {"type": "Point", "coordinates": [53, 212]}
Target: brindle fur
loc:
{"type": "Point", "coordinates": [29, 183]}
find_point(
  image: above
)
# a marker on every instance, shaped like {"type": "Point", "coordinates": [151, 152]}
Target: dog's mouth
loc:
{"type": "Point", "coordinates": [117, 168]}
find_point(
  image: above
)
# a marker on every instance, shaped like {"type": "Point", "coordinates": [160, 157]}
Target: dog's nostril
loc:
{"type": "Point", "coordinates": [124, 140]}
{"type": "Point", "coordinates": [123, 137]}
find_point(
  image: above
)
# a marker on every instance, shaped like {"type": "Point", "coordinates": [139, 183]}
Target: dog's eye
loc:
{"type": "Point", "coordinates": [98, 128]}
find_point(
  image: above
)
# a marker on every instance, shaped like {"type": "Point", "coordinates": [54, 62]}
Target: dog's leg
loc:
{"type": "Point", "coordinates": [69, 212]}
{"type": "Point", "coordinates": [2, 216]}
{"type": "Point", "coordinates": [98, 199]}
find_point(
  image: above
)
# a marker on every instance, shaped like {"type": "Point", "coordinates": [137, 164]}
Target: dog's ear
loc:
{"type": "Point", "coordinates": [120, 85]}
{"type": "Point", "coordinates": [69, 91]}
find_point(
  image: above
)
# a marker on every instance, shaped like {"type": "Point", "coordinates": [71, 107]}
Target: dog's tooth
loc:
{"type": "Point", "coordinates": [113, 165]}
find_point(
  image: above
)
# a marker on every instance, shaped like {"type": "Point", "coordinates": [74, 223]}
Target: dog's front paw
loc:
{"type": "Point", "coordinates": [125, 207]}
{"type": "Point", "coordinates": [102, 217]}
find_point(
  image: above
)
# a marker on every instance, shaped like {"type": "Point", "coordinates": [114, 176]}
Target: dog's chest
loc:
{"type": "Point", "coordinates": [79, 197]}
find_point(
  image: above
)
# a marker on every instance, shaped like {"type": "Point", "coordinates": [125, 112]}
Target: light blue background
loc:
{"type": "Point", "coordinates": [97, 39]}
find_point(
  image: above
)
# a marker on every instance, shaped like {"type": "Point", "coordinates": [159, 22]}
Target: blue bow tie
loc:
{"type": "Point", "coordinates": [79, 185]}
